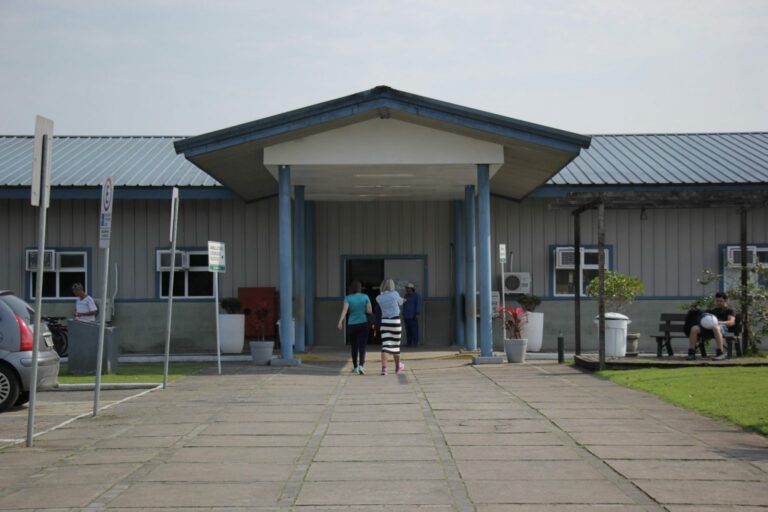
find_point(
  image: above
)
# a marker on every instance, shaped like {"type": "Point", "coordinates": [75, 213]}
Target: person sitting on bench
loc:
{"type": "Point", "coordinates": [725, 318]}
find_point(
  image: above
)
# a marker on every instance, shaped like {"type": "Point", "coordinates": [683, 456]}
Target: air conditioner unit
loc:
{"type": "Point", "coordinates": [49, 260]}
{"type": "Point", "coordinates": [734, 255]}
{"type": "Point", "coordinates": [517, 282]}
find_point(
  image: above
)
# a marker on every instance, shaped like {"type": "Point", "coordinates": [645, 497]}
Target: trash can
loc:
{"type": "Point", "coordinates": [84, 348]}
{"type": "Point", "coordinates": [615, 334]}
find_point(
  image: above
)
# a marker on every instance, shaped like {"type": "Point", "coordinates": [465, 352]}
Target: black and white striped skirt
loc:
{"type": "Point", "coordinates": [390, 335]}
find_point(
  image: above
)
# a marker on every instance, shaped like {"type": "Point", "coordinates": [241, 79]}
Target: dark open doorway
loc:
{"type": "Point", "coordinates": [370, 272]}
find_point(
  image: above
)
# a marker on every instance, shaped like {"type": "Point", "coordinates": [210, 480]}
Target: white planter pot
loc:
{"type": "Point", "coordinates": [533, 331]}
{"type": "Point", "coordinates": [232, 333]}
{"type": "Point", "coordinates": [515, 350]}
{"type": "Point", "coordinates": [615, 334]}
{"type": "Point", "coordinates": [261, 351]}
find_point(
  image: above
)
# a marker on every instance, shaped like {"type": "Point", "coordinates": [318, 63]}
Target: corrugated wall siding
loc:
{"type": "Point", "coordinates": [668, 250]}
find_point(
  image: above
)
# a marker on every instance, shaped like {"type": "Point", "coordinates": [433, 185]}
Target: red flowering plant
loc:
{"type": "Point", "coordinates": [514, 319]}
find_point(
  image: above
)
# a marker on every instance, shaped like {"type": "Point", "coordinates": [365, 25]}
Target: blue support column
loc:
{"type": "Point", "coordinates": [309, 303]}
{"type": "Point", "coordinates": [470, 292]}
{"type": "Point", "coordinates": [484, 257]}
{"type": "Point", "coordinates": [286, 269]}
{"type": "Point", "coordinates": [299, 267]}
{"type": "Point", "coordinates": [458, 273]}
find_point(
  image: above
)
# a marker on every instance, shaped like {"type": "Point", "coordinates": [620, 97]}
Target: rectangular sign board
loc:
{"type": "Point", "coordinates": [502, 253]}
{"type": "Point", "coordinates": [105, 217]}
{"type": "Point", "coordinates": [41, 160]}
{"type": "Point", "coordinates": [216, 257]}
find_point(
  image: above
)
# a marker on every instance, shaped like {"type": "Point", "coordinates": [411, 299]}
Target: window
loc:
{"type": "Point", "coordinates": [61, 269]}
{"type": "Point", "coordinates": [191, 276]}
{"type": "Point", "coordinates": [564, 271]}
{"type": "Point", "coordinates": [732, 271]}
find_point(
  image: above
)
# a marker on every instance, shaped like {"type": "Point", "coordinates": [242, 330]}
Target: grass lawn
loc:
{"type": "Point", "coordinates": [737, 394]}
{"type": "Point", "coordinates": [134, 372]}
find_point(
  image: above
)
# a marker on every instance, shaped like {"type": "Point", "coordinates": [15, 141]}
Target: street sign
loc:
{"type": "Point", "coordinates": [105, 219]}
{"type": "Point", "coordinates": [174, 211]}
{"type": "Point", "coordinates": [216, 257]}
{"type": "Point", "coordinates": [502, 253]}
{"type": "Point", "coordinates": [42, 157]}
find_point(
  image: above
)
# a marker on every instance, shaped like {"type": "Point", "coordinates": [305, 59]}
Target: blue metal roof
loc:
{"type": "Point", "coordinates": [673, 159]}
{"type": "Point", "coordinates": [88, 161]}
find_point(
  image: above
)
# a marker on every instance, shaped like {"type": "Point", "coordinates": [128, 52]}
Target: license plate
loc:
{"type": "Point", "coordinates": [48, 340]}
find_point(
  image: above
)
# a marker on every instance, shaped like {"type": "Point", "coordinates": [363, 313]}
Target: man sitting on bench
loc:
{"type": "Point", "coordinates": [725, 318]}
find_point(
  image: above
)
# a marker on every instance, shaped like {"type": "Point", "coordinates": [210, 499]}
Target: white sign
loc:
{"type": "Point", "coordinates": [41, 160]}
{"type": "Point", "coordinates": [174, 210]}
{"type": "Point", "coordinates": [105, 219]}
{"type": "Point", "coordinates": [216, 257]}
{"type": "Point", "coordinates": [502, 253]}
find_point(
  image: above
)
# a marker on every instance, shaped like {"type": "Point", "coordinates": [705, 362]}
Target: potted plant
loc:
{"type": "Point", "coordinates": [620, 290]}
{"type": "Point", "coordinates": [231, 326]}
{"type": "Point", "coordinates": [533, 329]}
{"type": "Point", "coordinates": [514, 320]}
{"type": "Point", "coordinates": [261, 350]}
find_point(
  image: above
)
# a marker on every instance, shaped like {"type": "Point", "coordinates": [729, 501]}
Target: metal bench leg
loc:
{"type": "Point", "coordinates": [670, 352]}
{"type": "Point", "coordinates": [659, 346]}
{"type": "Point", "coordinates": [702, 348]}
{"type": "Point", "coordinates": [729, 347]}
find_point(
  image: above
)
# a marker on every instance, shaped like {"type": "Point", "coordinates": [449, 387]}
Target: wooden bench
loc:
{"type": "Point", "coordinates": [671, 326]}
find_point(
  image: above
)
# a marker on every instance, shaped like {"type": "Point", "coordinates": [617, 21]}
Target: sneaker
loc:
{"type": "Point", "coordinates": [356, 370]}
{"type": "Point", "coordinates": [383, 370]}
{"type": "Point", "coordinates": [400, 368]}
{"type": "Point", "coordinates": [691, 355]}
{"type": "Point", "coordinates": [719, 356]}
{"type": "Point", "coordinates": [361, 369]}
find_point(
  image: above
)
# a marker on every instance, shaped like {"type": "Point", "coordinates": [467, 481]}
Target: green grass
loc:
{"type": "Point", "coordinates": [737, 394]}
{"type": "Point", "coordinates": [129, 373]}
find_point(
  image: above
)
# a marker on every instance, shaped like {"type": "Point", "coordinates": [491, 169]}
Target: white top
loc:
{"type": "Point", "coordinates": [86, 305]}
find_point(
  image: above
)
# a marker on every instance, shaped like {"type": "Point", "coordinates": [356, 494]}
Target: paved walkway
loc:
{"type": "Point", "coordinates": [442, 436]}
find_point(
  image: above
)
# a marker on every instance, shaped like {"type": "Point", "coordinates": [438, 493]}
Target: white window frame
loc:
{"type": "Point", "coordinates": [731, 270]}
{"type": "Point", "coordinates": [182, 256]}
{"type": "Point", "coordinates": [58, 270]}
{"type": "Point", "coordinates": [561, 250]}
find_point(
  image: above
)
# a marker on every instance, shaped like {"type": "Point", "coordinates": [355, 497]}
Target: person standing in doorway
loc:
{"type": "Point", "coordinates": [85, 307]}
{"type": "Point", "coordinates": [411, 313]}
{"type": "Point", "coordinates": [391, 329]}
{"type": "Point", "coordinates": [358, 305]}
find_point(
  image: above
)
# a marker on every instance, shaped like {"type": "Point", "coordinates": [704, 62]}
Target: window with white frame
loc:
{"type": "Point", "coordinates": [564, 271]}
{"type": "Point", "coordinates": [732, 263]}
{"type": "Point", "coordinates": [61, 269]}
{"type": "Point", "coordinates": [192, 279]}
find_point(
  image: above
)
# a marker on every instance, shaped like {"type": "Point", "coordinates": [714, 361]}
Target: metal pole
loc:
{"type": "Point", "coordinates": [286, 261]}
{"type": "Point", "coordinates": [484, 254]}
{"type": "Point", "coordinates": [470, 293]}
{"type": "Point", "coordinates": [577, 277]}
{"type": "Point", "coordinates": [601, 273]}
{"type": "Point", "coordinates": [458, 272]}
{"type": "Point", "coordinates": [102, 327]}
{"type": "Point", "coordinates": [560, 348]}
{"type": "Point", "coordinates": [42, 215]}
{"type": "Point", "coordinates": [309, 302]}
{"type": "Point", "coordinates": [216, 309]}
{"type": "Point", "coordinates": [174, 226]}
{"type": "Point", "coordinates": [299, 267]}
{"type": "Point", "coordinates": [744, 279]}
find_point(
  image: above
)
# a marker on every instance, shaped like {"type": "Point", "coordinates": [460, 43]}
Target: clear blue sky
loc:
{"type": "Point", "coordinates": [185, 67]}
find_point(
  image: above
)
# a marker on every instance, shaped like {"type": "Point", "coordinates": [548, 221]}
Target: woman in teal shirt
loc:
{"type": "Point", "coordinates": [359, 307]}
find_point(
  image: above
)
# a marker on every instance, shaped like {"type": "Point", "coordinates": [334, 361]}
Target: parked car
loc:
{"type": "Point", "coordinates": [16, 342]}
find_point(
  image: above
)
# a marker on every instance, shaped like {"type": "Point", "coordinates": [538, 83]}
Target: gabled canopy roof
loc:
{"type": "Point", "coordinates": [529, 154]}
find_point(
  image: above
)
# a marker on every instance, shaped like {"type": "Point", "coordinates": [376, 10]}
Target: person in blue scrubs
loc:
{"type": "Point", "coordinates": [358, 305]}
{"type": "Point", "coordinates": [411, 313]}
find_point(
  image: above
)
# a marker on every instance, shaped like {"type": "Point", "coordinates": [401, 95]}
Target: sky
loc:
{"type": "Point", "coordinates": [185, 67]}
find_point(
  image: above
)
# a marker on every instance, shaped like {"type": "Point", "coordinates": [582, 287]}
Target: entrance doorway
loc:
{"type": "Point", "coordinates": [371, 271]}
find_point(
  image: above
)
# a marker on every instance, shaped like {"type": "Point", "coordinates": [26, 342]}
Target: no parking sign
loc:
{"type": "Point", "coordinates": [105, 219]}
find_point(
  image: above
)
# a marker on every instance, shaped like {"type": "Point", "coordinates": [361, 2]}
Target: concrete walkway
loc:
{"type": "Point", "coordinates": [442, 436]}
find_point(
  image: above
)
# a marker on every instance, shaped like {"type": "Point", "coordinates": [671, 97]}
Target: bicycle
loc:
{"type": "Point", "coordinates": [59, 333]}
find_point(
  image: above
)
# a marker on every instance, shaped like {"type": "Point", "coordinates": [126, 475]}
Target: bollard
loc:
{"type": "Point", "coordinates": [560, 348]}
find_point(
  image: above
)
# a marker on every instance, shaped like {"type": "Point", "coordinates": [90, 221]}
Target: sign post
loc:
{"type": "Point", "coordinates": [105, 235]}
{"type": "Point", "coordinates": [502, 262]}
{"type": "Point", "coordinates": [217, 263]}
{"type": "Point", "coordinates": [40, 192]}
{"type": "Point", "coordinates": [174, 225]}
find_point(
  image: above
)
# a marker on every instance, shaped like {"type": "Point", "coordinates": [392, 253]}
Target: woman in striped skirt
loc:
{"type": "Point", "coordinates": [390, 301]}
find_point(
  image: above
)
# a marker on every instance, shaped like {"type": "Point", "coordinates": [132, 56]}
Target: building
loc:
{"type": "Point", "coordinates": [386, 178]}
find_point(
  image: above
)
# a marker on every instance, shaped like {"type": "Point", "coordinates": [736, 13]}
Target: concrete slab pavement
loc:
{"type": "Point", "coordinates": [442, 436]}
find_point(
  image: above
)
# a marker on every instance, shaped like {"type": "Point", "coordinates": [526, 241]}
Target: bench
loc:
{"type": "Point", "coordinates": [671, 326]}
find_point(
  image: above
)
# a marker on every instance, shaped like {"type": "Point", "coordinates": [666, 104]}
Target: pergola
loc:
{"type": "Point", "coordinates": [741, 200]}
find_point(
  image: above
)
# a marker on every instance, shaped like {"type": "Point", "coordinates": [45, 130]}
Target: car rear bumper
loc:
{"type": "Point", "coordinates": [47, 369]}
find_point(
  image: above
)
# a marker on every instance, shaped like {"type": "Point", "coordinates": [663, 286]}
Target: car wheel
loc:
{"type": "Point", "coordinates": [23, 398]}
{"type": "Point", "coordinates": [9, 388]}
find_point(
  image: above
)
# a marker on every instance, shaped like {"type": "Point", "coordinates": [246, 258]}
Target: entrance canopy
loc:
{"type": "Point", "coordinates": [383, 144]}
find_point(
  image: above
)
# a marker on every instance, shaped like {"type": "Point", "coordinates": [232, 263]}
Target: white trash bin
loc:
{"type": "Point", "coordinates": [615, 334]}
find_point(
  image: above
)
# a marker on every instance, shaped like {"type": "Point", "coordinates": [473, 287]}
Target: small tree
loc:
{"type": "Point", "coordinates": [231, 305]}
{"type": "Point", "coordinates": [620, 290]}
{"type": "Point", "coordinates": [529, 302]}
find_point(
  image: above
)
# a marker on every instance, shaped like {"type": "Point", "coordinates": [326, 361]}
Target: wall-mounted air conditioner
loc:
{"type": "Point", "coordinates": [517, 283]}
{"type": "Point", "coordinates": [734, 255]}
{"type": "Point", "coordinates": [49, 260]}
